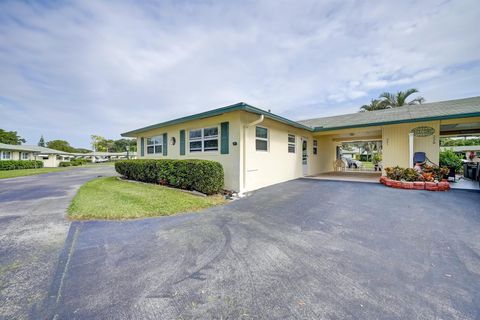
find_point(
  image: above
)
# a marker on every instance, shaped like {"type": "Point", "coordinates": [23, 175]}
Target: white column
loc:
{"type": "Point", "coordinates": [410, 147]}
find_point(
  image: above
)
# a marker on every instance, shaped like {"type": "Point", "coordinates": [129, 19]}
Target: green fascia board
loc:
{"type": "Point", "coordinates": [212, 113]}
{"type": "Point", "coordinates": [383, 123]}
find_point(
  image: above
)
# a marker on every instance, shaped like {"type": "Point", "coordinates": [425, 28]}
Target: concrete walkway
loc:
{"type": "Point", "coordinates": [33, 229]}
{"type": "Point", "coordinates": [348, 176]}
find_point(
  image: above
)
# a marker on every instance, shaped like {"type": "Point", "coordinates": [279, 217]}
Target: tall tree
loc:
{"type": "Point", "coordinates": [399, 99]}
{"type": "Point", "coordinates": [10, 137]}
{"type": "Point", "coordinates": [375, 104]}
{"type": "Point", "coordinates": [60, 145]}
{"type": "Point", "coordinates": [41, 142]}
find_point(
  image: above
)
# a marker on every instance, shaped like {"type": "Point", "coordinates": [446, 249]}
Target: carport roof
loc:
{"type": "Point", "coordinates": [31, 148]}
{"type": "Point", "coordinates": [460, 108]}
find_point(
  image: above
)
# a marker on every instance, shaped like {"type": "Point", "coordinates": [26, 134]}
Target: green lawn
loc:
{"type": "Point", "coordinates": [110, 198]}
{"type": "Point", "coordinates": [367, 164]}
{"type": "Point", "coordinates": [4, 174]}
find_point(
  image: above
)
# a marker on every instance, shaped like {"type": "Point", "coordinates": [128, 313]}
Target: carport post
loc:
{"type": "Point", "coordinates": [410, 146]}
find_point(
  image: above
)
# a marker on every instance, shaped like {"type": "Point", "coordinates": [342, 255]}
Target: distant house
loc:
{"type": "Point", "coordinates": [258, 148]}
{"type": "Point", "coordinates": [50, 157]}
{"type": "Point", "coordinates": [97, 156]}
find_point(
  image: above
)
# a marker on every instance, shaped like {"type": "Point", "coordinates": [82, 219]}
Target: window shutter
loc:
{"type": "Point", "coordinates": [165, 144]}
{"type": "Point", "coordinates": [224, 138]}
{"type": "Point", "coordinates": [142, 147]}
{"type": "Point", "coordinates": [182, 142]}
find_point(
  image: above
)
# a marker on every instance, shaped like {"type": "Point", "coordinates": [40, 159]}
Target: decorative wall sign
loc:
{"type": "Point", "coordinates": [423, 131]}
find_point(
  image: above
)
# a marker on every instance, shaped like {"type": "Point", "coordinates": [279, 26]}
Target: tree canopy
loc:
{"type": "Point", "coordinates": [10, 137]}
{"type": "Point", "coordinates": [60, 145]}
{"type": "Point", "coordinates": [101, 144]}
{"type": "Point", "coordinates": [389, 100]}
{"type": "Point", "coordinates": [41, 142]}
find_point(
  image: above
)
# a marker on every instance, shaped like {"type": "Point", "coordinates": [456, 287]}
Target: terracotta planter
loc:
{"type": "Point", "coordinates": [419, 185]}
{"type": "Point", "coordinates": [396, 184]}
{"type": "Point", "coordinates": [407, 185]}
{"type": "Point", "coordinates": [389, 182]}
{"type": "Point", "coordinates": [443, 186]}
{"type": "Point", "coordinates": [431, 186]}
{"type": "Point", "coordinates": [382, 179]}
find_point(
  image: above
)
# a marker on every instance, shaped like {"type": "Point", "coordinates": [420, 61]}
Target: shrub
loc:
{"type": "Point", "coordinates": [429, 173]}
{"type": "Point", "coordinates": [20, 164]}
{"type": "Point", "coordinates": [65, 164]}
{"type": "Point", "coordinates": [201, 175]}
{"type": "Point", "coordinates": [450, 159]}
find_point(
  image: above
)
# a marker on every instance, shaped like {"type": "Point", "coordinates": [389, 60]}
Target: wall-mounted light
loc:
{"type": "Point", "coordinates": [234, 143]}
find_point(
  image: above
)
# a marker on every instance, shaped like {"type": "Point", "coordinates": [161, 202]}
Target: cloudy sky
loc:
{"type": "Point", "coordinates": [69, 69]}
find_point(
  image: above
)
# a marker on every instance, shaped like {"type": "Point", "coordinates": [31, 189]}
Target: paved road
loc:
{"type": "Point", "coordinates": [33, 229]}
{"type": "Point", "coordinates": [304, 249]}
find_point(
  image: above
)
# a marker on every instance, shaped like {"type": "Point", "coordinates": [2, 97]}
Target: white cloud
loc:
{"type": "Point", "coordinates": [87, 67]}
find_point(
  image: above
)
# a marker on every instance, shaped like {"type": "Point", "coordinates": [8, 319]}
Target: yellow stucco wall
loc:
{"type": "Point", "coordinates": [264, 168]}
{"type": "Point", "coordinates": [395, 141]}
{"type": "Point", "coordinates": [230, 161]}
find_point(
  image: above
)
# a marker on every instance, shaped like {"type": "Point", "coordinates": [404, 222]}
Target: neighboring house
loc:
{"type": "Point", "coordinates": [258, 148]}
{"type": "Point", "coordinates": [16, 152]}
{"type": "Point", "coordinates": [50, 157]}
{"type": "Point", "coordinates": [97, 156]}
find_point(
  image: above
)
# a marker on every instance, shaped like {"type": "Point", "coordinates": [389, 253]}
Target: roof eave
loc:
{"type": "Point", "coordinates": [382, 123]}
{"type": "Point", "coordinates": [216, 112]}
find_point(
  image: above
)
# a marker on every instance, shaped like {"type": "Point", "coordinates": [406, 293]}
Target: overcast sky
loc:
{"type": "Point", "coordinates": [75, 68]}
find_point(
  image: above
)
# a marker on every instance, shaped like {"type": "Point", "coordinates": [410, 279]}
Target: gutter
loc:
{"type": "Point", "coordinates": [245, 127]}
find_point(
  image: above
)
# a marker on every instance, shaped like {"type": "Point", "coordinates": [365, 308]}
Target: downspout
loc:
{"type": "Point", "coordinates": [245, 127]}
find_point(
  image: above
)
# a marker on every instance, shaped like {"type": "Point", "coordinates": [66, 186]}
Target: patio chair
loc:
{"type": "Point", "coordinates": [339, 165]}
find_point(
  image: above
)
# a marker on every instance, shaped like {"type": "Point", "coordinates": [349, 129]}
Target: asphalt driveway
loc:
{"type": "Point", "coordinates": [33, 230]}
{"type": "Point", "coordinates": [304, 249]}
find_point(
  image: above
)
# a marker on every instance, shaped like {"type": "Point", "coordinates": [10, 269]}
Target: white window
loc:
{"type": "Point", "coordinates": [315, 147]}
{"type": "Point", "coordinates": [291, 143]}
{"type": "Point", "coordinates": [5, 155]}
{"type": "Point", "coordinates": [205, 139]}
{"type": "Point", "coordinates": [261, 139]}
{"type": "Point", "coordinates": [25, 156]}
{"type": "Point", "coordinates": [155, 145]}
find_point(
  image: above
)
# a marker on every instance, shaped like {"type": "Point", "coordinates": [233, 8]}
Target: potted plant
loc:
{"type": "Point", "coordinates": [452, 161]}
{"type": "Point", "coordinates": [377, 158]}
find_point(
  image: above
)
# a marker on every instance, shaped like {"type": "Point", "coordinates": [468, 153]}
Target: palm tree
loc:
{"type": "Point", "coordinates": [375, 104]}
{"type": "Point", "coordinates": [399, 99]}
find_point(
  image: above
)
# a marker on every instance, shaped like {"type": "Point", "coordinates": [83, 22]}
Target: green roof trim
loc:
{"type": "Point", "coordinates": [374, 124]}
{"type": "Point", "coordinates": [441, 110]}
{"type": "Point", "coordinates": [216, 112]}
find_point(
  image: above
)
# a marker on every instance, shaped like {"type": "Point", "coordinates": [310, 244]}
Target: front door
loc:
{"type": "Point", "coordinates": [305, 156]}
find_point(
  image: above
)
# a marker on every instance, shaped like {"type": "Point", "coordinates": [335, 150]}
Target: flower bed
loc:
{"type": "Point", "coordinates": [415, 185]}
{"type": "Point", "coordinates": [422, 178]}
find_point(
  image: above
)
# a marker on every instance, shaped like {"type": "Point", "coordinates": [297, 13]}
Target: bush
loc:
{"type": "Point", "coordinates": [450, 159]}
{"type": "Point", "coordinates": [65, 164]}
{"type": "Point", "coordinates": [20, 164]}
{"type": "Point", "coordinates": [201, 175]}
{"type": "Point", "coordinates": [429, 173]}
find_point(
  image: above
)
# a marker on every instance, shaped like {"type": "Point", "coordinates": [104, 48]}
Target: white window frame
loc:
{"type": "Point", "coordinates": [3, 154]}
{"type": "Point", "coordinates": [24, 156]}
{"type": "Point", "coordinates": [267, 139]}
{"type": "Point", "coordinates": [155, 145]}
{"type": "Point", "coordinates": [202, 139]}
{"type": "Point", "coordinates": [292, 144]}
{"type": "Point", "coordinates": [315, 147]}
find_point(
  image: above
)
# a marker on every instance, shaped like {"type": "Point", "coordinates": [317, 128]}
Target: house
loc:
{"type": "Point", "coordinates": [98, 156]}
{"type": "Point", "coordinates": [50, 157]}
{"type": "Point", "coordinates": [258, 148]}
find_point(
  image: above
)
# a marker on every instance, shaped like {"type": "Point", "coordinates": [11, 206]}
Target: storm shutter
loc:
{"type": "Point", "coordinates": [182, 142]}
{"type": "Point", "coordinates": [165, 144]}
{"type": "Point", "coordinates": [142, 147]}
{"type": "Point", "coordinates": [224, 138]}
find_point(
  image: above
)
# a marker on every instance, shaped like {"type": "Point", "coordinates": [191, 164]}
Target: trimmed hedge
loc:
{"type": "Point", "coordinates": [201, 175]}
{"type": "Point", "coordinates": [73, 163]}
{"type": "Point", "coordinates": [20, 164]}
